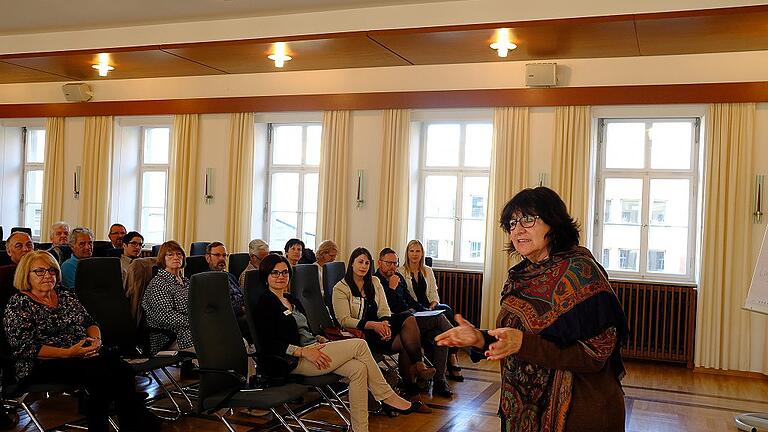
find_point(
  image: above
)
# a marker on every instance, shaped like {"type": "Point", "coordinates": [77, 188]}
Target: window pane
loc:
{"type": "Point", "coordinates": [443, 145]}
{"type": "Point", "coordinates": [34, 186]}
{"type": "Point", "coordinates": [32, 215]}
{"type": "Point", "coordinates": [309, 233]}
{"type": "Point", "coordinates": [474, 198]}
{"type": "Point", "coordinates": [472, 240]}
{"type": "Point", "coordinates": [285, 192]}
{"type": "Point", "coordinates": [625, 145]}
{"type": "Point", "coordinates": [671, 145]}
{"type": "Point", "coordinates": [310, 192]}
{"type": "Point", "coordinates": [440, 196]}
{"type": "Point", "coordinates": [282, 227]}
{"type": "Point", "coordinates": [668, 232]}
{"type": "Point", "coordinates": [477, 150]}
{"type": "Point", "coordinates": [313, 145]}
{"type": "Point", "coordinates": [35, 145]}
{"type": "Point", "coordinates": [438, 238]}
{"type": "Point", "coordinates": [156, 145]}
{"type": "Point", "coordinates": [153, 186]}
{"type": "Point", "coordinates": [621, 230]}
{"type": "Point", "coordinates": [287, 145]}
{"type": "Point", "coordinates": [153, 224]}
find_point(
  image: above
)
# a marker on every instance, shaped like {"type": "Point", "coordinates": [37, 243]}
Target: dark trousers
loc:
{"type": "Point", "coordinates": [430, 327]}
{"type": "Point", "coordinates": [106, 378]}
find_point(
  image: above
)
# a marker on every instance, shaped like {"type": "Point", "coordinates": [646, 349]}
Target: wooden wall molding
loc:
{"type": "Point", "coordinates": [531, 97]}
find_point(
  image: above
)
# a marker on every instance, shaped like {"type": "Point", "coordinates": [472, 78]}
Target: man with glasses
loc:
{"type": "Point", "coordinates": [258, 249]}
{"type": "Point", "coordinates": [430, 326]}
{"type": "Point", "coordinates": [81, 242]}
{"type": "Point", "coordinates": [132, 244]}
{"type": "Point", "coordinates": [116, 234]}
{"type": "Point", "coordinates": [216, 256]}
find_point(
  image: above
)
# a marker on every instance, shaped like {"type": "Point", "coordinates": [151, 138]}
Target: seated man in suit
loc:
{"type": "Point", "coordinates": [430, 326]}
{"type": "Point", "coordinates": [116, 234]}
{"type": "Point", "coordinates": [216, 257]}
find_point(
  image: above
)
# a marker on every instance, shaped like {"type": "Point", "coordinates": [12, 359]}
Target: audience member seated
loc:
{"type": "Point", "coordinates": [400, 301]}
{"type": "Point", "coordinates": [59, 237]}
{"type": "Point", "coordinates": [18, 244]}
{"type": "Point", "coordinates": [132, 244]}
{"type": "Point", "coordinates": [258, 249]}
{"type": "Point", "coordinates": [53, 339]}
{"type": "Point", "coordinates": [166, 300]}
{"type": "Point", "coordinates": [421, 285]}
{"type": "Point", "coordinates": [326, 253]}
{"type": "Point", "coordinates": [116, 234]}
{"type": "Point", "coordinates": [283, 330]}
{"type": "Point", "coordinates": [216, 257]}
{"type": "Point", "coordinates": [307, 256]}
{"type": "Point", "coordinates": [359, 301]}
{"type": "Point", "coordinates": [81, 243]}
{"type": "Point", "coordinates": [294, 249]}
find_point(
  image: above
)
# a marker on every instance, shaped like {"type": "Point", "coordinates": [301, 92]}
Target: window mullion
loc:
{"type": "Point", "coordinates": [644, 228]}
{"type": "Point", "coordinates": [459, 221]}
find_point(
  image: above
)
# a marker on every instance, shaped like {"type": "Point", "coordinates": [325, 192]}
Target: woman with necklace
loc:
{"type": "Point", "coordinates": [283, 329]}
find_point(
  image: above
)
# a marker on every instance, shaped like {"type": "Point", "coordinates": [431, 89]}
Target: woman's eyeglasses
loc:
{"type": "Point", "coordinates": [526, 221]}
{"type": "Point", "coordinates": [278, 273]}
{"type": "Point", "coordinates": [40, 272]}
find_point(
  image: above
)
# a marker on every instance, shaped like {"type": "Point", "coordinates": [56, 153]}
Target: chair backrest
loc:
{"type": "Point", "coordinates": [217, 338]}
{"type": "Point", "coordinates": [155, 250]}
{"type": "Point", "coordinates": [305, 286]}
{"type": "Point", "coordinates": [99, 287]}
{"type": "Point", "coordinates": [333, 272]}
{"type": "Point", "coordinates": [252, 295]}
{"type": "Point", "coordinates": [107, 251]}
{"type": "Point", "coordinates": [6, 291]}
{"type": "Point", "coordinates": [22, 229]}
{"type": "Point", "coordinates": [43, 246]}
{"type": "Point", "coordinates": [198, 248]}
{"type": "Point", "coordinates": [5, 259]}
{"type": "Point", "coordinates": [238, 262]}
{"type": "Point", "coordinates": [428, 261]}
{"type": "Point", "coordinates": [195, 264]}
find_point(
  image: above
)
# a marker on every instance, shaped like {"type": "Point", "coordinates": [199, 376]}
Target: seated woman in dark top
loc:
{"type": "Point", "coordinates": [166, 299]}
{"type": "Point", "coordinates": [359, 302]}
{"type": "Point", "coordinates": [53, 339]}
{"type": "Point", "coordinates": [282, 329]}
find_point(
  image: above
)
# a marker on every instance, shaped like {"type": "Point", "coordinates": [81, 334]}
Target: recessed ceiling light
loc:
{"type": "Point", "coordinates": [503, 44]}
{"type": "Point", "coordinates": [103, 65]}
{"type": "Point", "coordinates": [279, 57]}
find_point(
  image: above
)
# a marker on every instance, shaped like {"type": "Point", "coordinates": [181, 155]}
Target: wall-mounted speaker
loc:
{"type": "Point", "coordinates": [541, 74]}
{"type": "Point", "coordinates": [77, 92]}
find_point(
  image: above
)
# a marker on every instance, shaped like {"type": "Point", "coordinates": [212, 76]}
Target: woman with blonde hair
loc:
{"type": "Point", "coordinates": [326, 252]}
{"type": "Point", "coordinates": [421, 285]}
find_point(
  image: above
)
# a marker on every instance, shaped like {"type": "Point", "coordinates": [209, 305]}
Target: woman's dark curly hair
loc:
{"type": "Point", "coordinates": [547, 205]}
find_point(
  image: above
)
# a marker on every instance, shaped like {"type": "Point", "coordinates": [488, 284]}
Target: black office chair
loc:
{"type": "Point", "coordinates": [5, 259]}
{"type": "Point", "coordinates": [155, 250]}
{"type": "Point", "coordinates": [305, 286]}
{"type": "Point", "coordinates": [43, 246]}
{"type": "Point", "coordinates": [238, 262]}
{"type": "Point", "coordinates": [195, 264]}
{"type": "Point", "coordinates": [222, 356]}
{"type": "Point", "coordinates": [333, 272]}
{"type": "Point", "coordinates": [99, 287]}
{"type": "Point", "coordinates": [22, 229]}
{"type": "Point", "coordinates": [321, 383]}
{"type": "Point", "coordinates": [428, 261]}
{"type": "Point", "coordinates": [198, 248]}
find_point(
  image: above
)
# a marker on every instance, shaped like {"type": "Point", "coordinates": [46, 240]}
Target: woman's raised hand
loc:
{"type": "Point", "coordinates": [508, 342]}
{"type": "Point", "coordinates": [463, 335]}
{"type": "Point", "coordinates": [316, 355]}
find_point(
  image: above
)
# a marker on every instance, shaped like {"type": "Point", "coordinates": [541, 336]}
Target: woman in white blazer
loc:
{"type": "Point", "coordinates": [422, 286]}
{"type": "Point", "coordinates": [359, 302]}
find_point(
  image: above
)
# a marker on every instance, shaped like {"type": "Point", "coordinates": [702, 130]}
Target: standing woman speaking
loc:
{"type": "Point", "coordinates": [559, 332]}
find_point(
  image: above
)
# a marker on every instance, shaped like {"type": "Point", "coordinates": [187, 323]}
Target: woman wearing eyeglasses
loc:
{"type": "Point", "coordinates": [283, 330]}
{"type": "Point", "coordinates": [559, 330]}
{"type": "Point", "coordinates": [53, 339]}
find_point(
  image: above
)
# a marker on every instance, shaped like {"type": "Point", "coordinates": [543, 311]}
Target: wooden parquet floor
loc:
{"type": "Point", "coordinates": [659, 398]}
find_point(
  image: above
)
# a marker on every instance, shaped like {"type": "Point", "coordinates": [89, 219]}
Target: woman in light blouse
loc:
{"type": "Point", "coordinates": [53, 339]}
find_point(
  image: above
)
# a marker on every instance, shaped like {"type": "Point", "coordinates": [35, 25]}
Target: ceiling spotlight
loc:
{"type": "Point", "coordinates": [279, 57]}
{"type": "Point", "coordinates": [103, 66]}
{"type": "Point", "coordinates": [503, 45]}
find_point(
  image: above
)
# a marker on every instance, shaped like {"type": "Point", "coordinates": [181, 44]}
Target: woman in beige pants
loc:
{"type": "Point", "coordinates": [283, 330]}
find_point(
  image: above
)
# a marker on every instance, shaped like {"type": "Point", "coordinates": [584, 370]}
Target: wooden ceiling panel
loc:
{"type": "Point", "coordinates": [565, 39]}
{"type": "Point", "coordinates": [324, 53]}
{"type": "Point", "coordinates": [10, 73]}
{"type": "Point", "coordinates": [709, 33]}
{"type": "Point", "coordinates": [145, 63]}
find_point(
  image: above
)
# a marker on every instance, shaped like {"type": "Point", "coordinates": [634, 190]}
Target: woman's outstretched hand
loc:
{"type": "Point", "coordinates": [463, 335]}
{"type": "Point", "coordinates": [508, 342]}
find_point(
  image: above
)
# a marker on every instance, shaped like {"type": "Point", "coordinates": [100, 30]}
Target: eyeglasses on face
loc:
{"type": "Point", "coordinates": [219, 255]}
{"type": "Point", "coordinates": [135, 244]}
{"type": "Point", "coordinates": [279, 273]}
{"type": "Point", "coordinates": [174, 254]}
{"type": "Point", "coordinates": [394, 263]}
{"type": "Point", "coordinates": [40, 272]}
{"type": "Point", "coordinates": [526, 221]}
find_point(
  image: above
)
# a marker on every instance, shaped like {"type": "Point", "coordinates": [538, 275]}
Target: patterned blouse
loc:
{"type": "Point", "coordinates": [29, 325]}
{"type": "Point", "coordinates": [166, 306]}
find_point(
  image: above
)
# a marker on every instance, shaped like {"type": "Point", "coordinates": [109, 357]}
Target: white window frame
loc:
{"type": "Point", "coordinates": [302, 169]}
{"type": "Point", "coordinates": [460, 172]}
{"type": "Point", "coordinates": [647, 174]}
{"type": "Point", "coordinates": [27, 167]}
{"type": "Point", "coordinates": [144, 130]}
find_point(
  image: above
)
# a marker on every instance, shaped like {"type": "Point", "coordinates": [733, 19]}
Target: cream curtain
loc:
{"type": "Point", "coordinates": [722, 327]}
{"type": "Point", "coordinates": [392, 227]}
{"type": "Point", "coordinates": [96, 175]}
{"type": "Point", "coordinates": [240, 181]}
{"type": "Point", "coordinates": [334, 180]}
{"type": "Point", "coordinates": [508, 175]}
{"type": "Point", "coordinates": [570, 161]}
{"type": "Point", "coordinates": [181, 219]}
{"type": "Point", "coordinates": [54, 185]}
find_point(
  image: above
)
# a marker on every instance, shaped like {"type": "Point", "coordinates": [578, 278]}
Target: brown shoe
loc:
{"type": "Point", "coordinates": [422, 371]}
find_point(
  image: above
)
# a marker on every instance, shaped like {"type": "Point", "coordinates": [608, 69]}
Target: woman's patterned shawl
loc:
{"type": "Point", "coordinates": [567, 300]}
